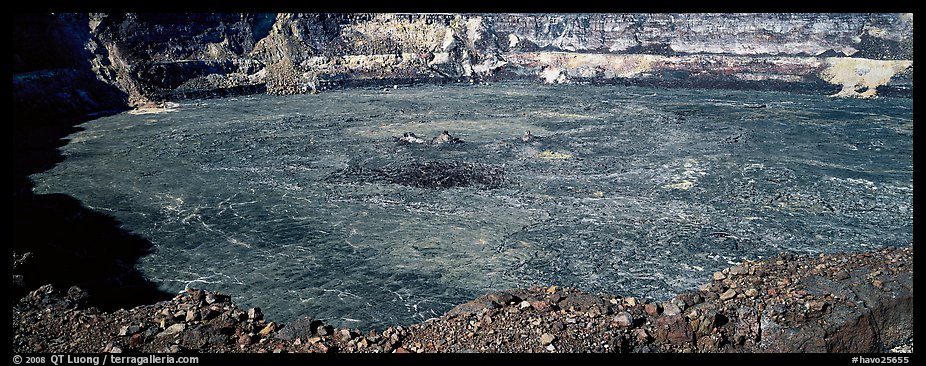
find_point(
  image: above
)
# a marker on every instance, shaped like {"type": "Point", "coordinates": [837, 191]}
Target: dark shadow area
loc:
{"type": "Point", "coordinates": [54, 90]}
{"type": "Point", "coordinates": [70, 244]}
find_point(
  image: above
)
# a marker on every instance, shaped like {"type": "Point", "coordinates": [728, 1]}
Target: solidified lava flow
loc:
{"type": "Point", "coordinates": [308, 205]}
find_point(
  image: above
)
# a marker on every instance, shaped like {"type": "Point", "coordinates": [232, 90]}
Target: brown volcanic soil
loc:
{"type": "Point", "coordinates": [859, 302]}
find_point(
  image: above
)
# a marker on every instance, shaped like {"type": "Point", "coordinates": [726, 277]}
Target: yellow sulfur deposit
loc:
{"type": "Point", "coordinates": [684, 185]}
{"type": "Point", "coordinates": [548, 154]}
{"type": "Point", "coordinates": [860, 77]}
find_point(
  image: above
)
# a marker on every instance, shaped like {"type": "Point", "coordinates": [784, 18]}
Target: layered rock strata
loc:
{"type": "Point", "coordinates": [152, 58]}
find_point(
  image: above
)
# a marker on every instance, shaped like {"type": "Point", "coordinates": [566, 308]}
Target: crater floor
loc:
{"type": "Point", "coordinates": [293, 203]}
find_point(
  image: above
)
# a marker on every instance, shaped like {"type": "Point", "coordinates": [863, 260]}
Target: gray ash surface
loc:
{"type": "Point", "coordinates": [635, 191]}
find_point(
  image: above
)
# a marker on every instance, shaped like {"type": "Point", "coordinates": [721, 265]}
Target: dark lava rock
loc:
{"type": "Point", "coordinates": [582, 302]}
{"type": "Point", "coordinates": [299, 328]}
{"type": "Point", "coordinates": [747, 326]}
{"type": "Point", "coordinates": [710, 321]}
{"type": "Point", "coordinates": [689, 299]}
{"type": "Point", "coordinates": [77, 297]}
{"type": "Point", "coordinates": [196, 294]}
{"type": "Point", "coordinates": [445, 138]}
{"type": "Point", "coordinates": [199, 336]}
{"type": "Point", "coordinates": [208, 313]}
{"type": "Point", "coordinates": [46, 296]}
{"type": "Point", "coordinates": [495, 300]}
{"type": "Point", "coordinates": [471, 307]}
{"type": "Point", "coordinates": [431, 174]}
{"type": "Point", "coordinates": [324, 330]}
{"type": "Point", "coordinates": [129, 330]}
{"type": "Point", "coordinates": [216, 297]}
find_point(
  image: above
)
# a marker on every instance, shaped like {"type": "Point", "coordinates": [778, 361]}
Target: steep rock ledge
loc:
{"type": "Point", "coordinates": [858, 302]}
{"type": "Point", "coordinates": [160, 57]}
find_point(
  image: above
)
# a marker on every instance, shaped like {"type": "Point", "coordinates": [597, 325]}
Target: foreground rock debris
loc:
{"type": "Point", "coordinates": [861, 302]}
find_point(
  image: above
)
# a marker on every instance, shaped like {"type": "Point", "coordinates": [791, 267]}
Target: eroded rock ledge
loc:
{"type": "Point", "coordinates": [82, 63]}
{"type": "Point", "coordinates": [859, 302]}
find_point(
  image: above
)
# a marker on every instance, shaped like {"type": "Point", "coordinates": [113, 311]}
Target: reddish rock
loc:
{"type": "Point", "coordinates": [136, 340]}
{"type": "Point", "coordinates": [815, 308]}
{"type": "Point", "coordinates": [623, 320]}
{"type": "Point", "coordinates": [541, 306]}
{"type": "Point", "coordinates": [244, 340]}
{"type": "Point", "coordinates": [673, 329]}
{"type": "Point", "coordinates": [816, 313]}
{"type": "Point", "coordinates": [641, 335]}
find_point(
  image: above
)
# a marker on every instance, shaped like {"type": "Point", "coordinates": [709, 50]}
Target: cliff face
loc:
{"type": "Point", "coordinates": [52, 76]}
{"type": "Point", "coordinates": [155, 57]}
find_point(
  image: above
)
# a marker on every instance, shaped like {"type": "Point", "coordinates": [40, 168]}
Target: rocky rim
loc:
{"type": "Point", "coordinates": [858, 302]}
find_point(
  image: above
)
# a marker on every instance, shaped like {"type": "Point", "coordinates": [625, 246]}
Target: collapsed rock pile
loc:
{"type": "Point", "coordinates": [444, 138]}
{"type": "Point", "coordinates": [429, 174]}
{"type": "Point", "coordinates": [861, 302]}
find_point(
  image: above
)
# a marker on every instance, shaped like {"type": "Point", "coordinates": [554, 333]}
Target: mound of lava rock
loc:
{"type": "Point", "coordinates": [859, 302]}
{"type": "Point", "coordinates": [429, 174]}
